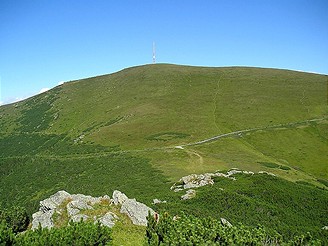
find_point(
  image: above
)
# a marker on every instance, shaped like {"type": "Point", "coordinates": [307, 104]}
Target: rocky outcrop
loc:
{"type": "Point", "coordinates": [44, 219]}
{"type": "Point", "coordinates": [53, 201]}
{"type": "Point", "coordinates": [79, 217]}
{"type": "Point", "coordinates": [267, 173]}
{"type": "Point", "coordinates": [136, 211]}
{"type": "Point", "coordinates": [74, 207]}
{"type": "Point", "coordinates": [195, 181]}
{"type": "Point", "coordinates": [47, 208]}
{"type": "Point", "coordinates": [77, 204]}
{"type": "Point", "coordinates": [108, 219]}
{"type": "Point", "coordinates": [119, 197]}
{"type": "Point", "coordinates": [158, 201]}
{"type": "Point", "coordinates": [189, 194]}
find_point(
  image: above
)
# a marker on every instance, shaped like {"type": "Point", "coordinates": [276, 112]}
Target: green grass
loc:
{"type": "Point", "coordinates": [289, 208]}
{"type": "Point", "coordinates": [301, 148]}
{"type": "Point", "coordinates": [137, 104]}
{"type": "Point", "coordinates": [274, 165]}
{"type": "Point", "coordinates": [270, 164]}
{"type": "Point", "coordinates": [32, 179]}
{"type": "Point", "coordinates": [118, 131]}
{"type": "Point", "coordinates": [125, 233]}
{"type": "Point", "coordinates": [61, 219]}
{"type": "Point", "coordinates": [166, 136]}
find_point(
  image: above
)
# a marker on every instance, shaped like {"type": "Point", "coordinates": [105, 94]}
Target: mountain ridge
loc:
{"type": "Point", "coordinates": [141, 114]}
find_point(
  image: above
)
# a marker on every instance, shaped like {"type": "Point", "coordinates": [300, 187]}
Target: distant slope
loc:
{"type": "Point", "coordinates": [289, 208]}
{"type": "Point", "coordinates": [131, 120]}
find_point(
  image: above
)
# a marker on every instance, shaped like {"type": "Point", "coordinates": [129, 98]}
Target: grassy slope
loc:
{"type": "Point", "coordinates": [275, 203]}
{"type": "Point", "coordinates": [125, 110]}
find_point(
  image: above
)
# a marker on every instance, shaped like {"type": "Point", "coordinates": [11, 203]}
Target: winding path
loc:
{"type": "Point", "coordinates": [211, 139]}
{"type": "Point", "coordinates": [236, 133]}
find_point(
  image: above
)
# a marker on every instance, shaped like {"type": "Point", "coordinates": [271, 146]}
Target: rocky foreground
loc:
{"type": "Point", "coordinates": [77, 207]}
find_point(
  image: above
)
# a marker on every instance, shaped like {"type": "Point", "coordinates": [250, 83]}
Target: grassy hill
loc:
{"type": "Point", "coordinates": [289, 208]}
{"type": "Point", "coordinates": [120, 131]}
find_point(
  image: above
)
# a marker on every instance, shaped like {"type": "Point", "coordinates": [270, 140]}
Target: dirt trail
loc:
{"type": "Point", "coordinates": [182, 147]}
{"type": "Point", "coordinates": [236, 133]}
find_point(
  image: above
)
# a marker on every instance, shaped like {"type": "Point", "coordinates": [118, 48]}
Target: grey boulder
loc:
{"type": "Point", "coordinates": [108, 219]}
{"type": "Point", "coordinates": [119, 197]}
{"type": "Point", "coordinates": [43, 219]}
{"type": "Point", "coordinates": [136, 211]}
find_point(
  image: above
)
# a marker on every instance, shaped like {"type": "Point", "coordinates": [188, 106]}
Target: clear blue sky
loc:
{"type": "Point", "coordinates": [45, 42]}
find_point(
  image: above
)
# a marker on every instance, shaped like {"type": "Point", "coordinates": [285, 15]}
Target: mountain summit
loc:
{"type": "Point", "coordinates": [157, 123]}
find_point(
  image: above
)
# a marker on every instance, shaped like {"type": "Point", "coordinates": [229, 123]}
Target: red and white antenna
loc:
{"type": "Point", "coordinates": [154, 53]}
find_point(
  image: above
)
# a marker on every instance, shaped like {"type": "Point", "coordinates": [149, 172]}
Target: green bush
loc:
{"type": "Point", "coordinates": [74, 234]}
{"type": "Point", "coordinates": [284, 168]}
{"type": "Point", "coordinates": [288, 208]}
{"type": "Point", "coordinates": [190, 230]}
{"type": "Point", "coordinates": [15, 218]}
{"type": "Point", "coordinates": [7, 235]}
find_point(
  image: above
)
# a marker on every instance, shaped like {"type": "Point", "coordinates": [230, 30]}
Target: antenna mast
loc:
{"type": "Point", "coordinates": [154, 53]}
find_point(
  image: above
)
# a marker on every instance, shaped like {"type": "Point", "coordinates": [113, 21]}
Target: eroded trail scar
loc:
{"type": "Point", "coordinates": [192, 153]}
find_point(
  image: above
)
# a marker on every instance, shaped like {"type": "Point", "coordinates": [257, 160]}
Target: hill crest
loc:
{"type": "Point", "coordinates": [134, 121]}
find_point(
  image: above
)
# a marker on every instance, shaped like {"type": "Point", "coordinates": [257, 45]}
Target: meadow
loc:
{"type": "Point", "coordinates": [138, 131]}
